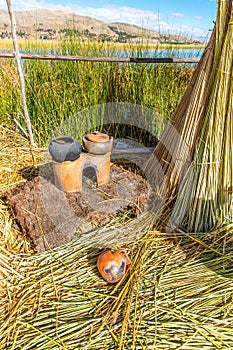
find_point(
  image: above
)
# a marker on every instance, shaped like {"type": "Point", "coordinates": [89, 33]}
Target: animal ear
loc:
{"type": "Point", "coordinates": [125, 258]}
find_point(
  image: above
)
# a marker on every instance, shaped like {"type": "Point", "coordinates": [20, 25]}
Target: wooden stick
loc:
{"type": "Point", "coordinates": [16, 55]}
{"type": "Point", "coordinates": [103, 59]}
{"type": "Point", "coordinates": [20, 127]}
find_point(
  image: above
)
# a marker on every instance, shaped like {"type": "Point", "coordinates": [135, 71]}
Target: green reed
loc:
{"type": "Point", "coordinates": [57, 90]}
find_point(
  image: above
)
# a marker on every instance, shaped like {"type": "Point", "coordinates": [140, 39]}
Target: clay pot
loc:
{"type": "Point", "coordinates": [113, 265]}
{"type": "Point", "coordinates": [65, 148]}
{"type": "Point", "coordinates": [97, 143]}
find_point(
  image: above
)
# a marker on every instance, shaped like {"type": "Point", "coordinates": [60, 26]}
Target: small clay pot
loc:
{"type": "Point", "coordinates": [65, 148]}
{"type": "Point", "coordinates": [96, 143]}
{"type": "Point", "coordinates": [113, 265]}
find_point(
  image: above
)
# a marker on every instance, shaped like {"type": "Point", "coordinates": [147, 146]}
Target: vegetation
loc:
{"type": "Point", "coordinates": [56, 89]}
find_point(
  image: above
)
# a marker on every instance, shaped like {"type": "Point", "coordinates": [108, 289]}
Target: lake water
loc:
{"type": "Point", "coordinates": [160, 53]}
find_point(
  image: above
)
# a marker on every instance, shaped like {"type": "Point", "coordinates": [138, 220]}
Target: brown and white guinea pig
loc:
{"type": "Point", "coordinates": [113, 265]}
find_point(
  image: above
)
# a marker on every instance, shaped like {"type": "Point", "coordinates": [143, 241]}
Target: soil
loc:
{"type": "Point", "coordinates": [51, 217]}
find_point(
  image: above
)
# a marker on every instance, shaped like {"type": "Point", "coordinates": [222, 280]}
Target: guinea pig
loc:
{"type": "Point", "coordinates": [112, 265]}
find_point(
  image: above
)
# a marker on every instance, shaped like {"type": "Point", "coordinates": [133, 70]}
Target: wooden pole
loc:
{"type": "Point", "coordinates": [103, 59]}
{"type": "Point", "coordinates": [20, 71]}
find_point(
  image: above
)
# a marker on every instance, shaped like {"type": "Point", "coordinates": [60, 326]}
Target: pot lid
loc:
{"type": "Point", "coordinates": [97, 136]}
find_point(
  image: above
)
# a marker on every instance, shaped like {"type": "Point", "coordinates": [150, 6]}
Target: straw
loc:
{"type": "Point", "coordinates": [205, 196]}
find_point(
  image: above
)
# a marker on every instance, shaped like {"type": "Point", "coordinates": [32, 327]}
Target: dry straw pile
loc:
{"type": "Point", "coordinates": [178, 291]}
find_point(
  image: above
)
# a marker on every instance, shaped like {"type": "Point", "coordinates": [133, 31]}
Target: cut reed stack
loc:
{"type": "Point", "coordinates": [176, 146]}
{"type": "Point", "coordinates": [205, 195]}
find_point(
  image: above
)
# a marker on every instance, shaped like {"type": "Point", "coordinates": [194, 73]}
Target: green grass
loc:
{"type": "Point", "coordinates": [7, 44]}
{"type": "Point", "coordinates": [57, 90]}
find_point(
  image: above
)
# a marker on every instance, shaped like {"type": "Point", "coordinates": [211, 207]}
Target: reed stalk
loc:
{"type": "Point", "coordinates": [20, 71]}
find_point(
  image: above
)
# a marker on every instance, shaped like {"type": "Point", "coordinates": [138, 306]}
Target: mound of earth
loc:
{"type": "Point", "coordinates": [51, 217]}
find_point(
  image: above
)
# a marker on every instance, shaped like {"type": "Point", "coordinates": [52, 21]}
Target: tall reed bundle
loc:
{"type": "Point", "coordinates": [177, 293]}
{"type": "Point", "coordinates": [205, 195]}
{"type": "Point", "coordinates": [176, 146]}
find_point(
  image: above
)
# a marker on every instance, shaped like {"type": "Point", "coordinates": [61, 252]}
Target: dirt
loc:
{"type": "Point", "coordinates": [51, 217]}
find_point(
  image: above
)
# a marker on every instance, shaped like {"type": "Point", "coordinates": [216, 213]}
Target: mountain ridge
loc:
{"type": "Point", "coordinates": [53, 25]}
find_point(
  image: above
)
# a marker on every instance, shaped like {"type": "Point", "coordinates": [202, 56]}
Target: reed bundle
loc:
{"type": "Point", "coordinates": [177, 293]}
{"type": "Point", "coordinates": [205, 194]}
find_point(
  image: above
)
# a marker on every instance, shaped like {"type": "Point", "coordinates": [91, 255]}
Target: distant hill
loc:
{"type": "Point", "coordinates": [53, 25]}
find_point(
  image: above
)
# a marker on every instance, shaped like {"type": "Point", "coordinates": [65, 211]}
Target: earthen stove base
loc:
{"type": "Point", "coordinates": [51, 217]}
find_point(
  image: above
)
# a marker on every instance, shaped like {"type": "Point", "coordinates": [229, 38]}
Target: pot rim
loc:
{"type": "Point", "coordinates": [65, 137]}
{"type": "Point", "coordinates": [97, 137]}
{"type": "Point", "coordinates": [98, 148]}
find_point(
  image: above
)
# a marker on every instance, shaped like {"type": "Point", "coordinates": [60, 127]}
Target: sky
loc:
{"type": "Point", "coordinates": [193, 18]}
